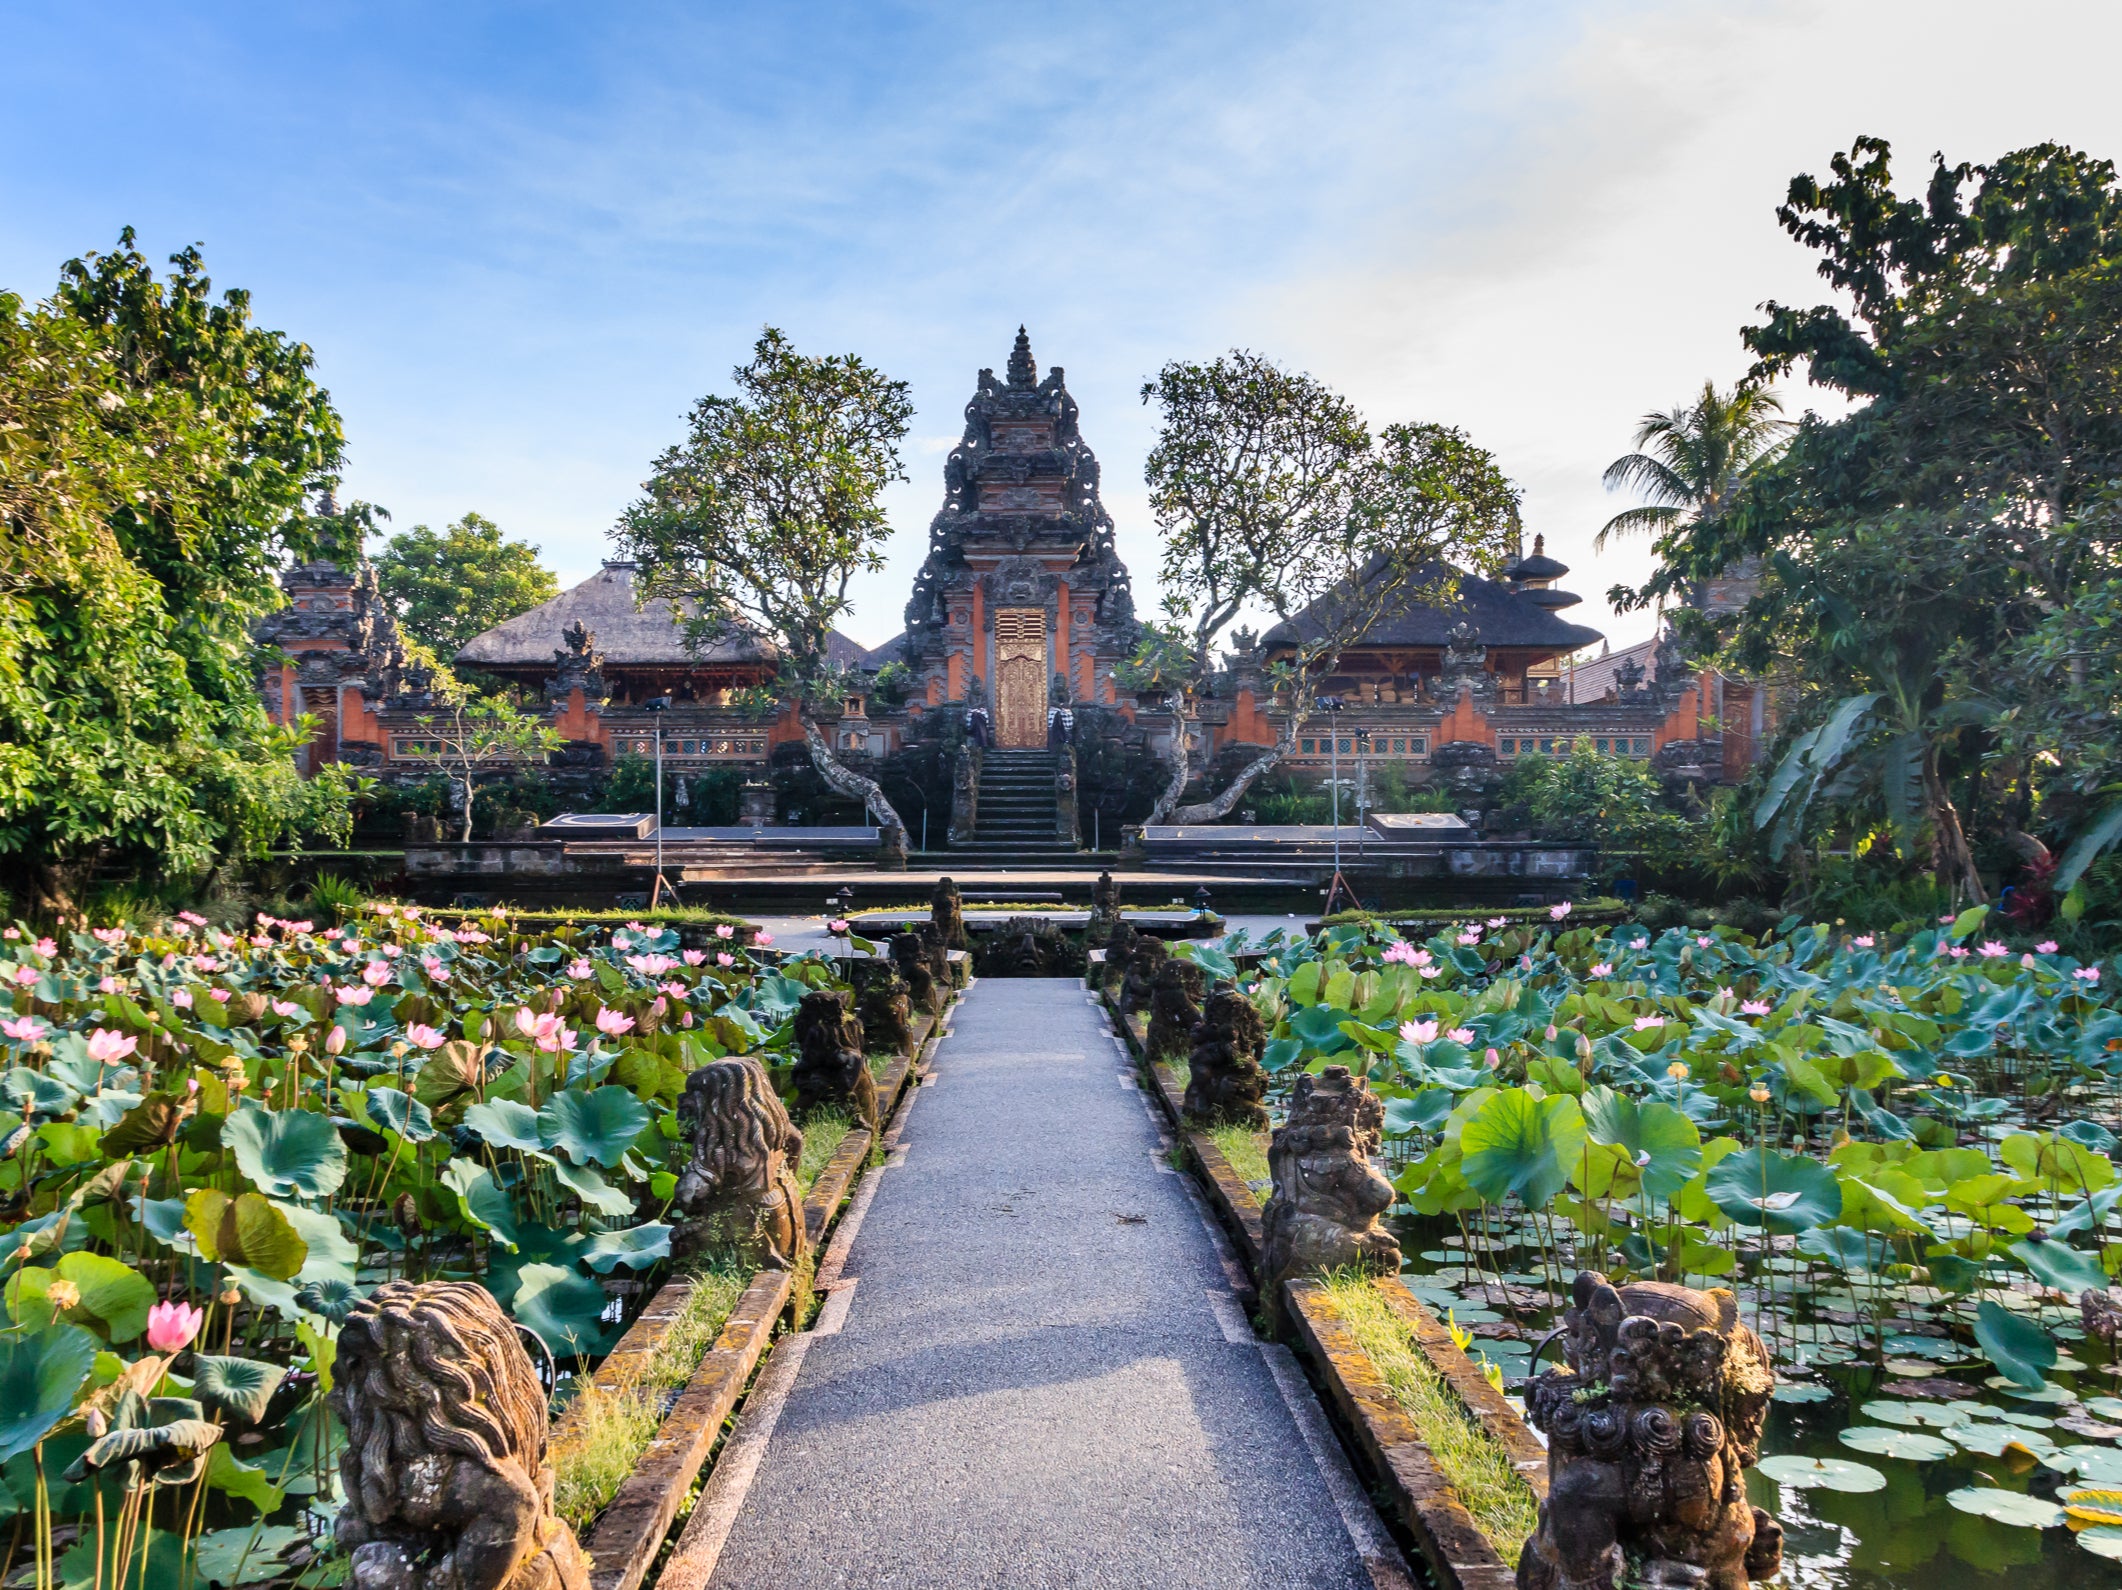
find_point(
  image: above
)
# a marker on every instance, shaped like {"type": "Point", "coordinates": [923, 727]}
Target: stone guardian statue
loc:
{"type": "Point", "coordinates": [445, 1471]}
{"type": "Point", "coordinates": [1174, 1006]}
{"type": "Point", "coordinates": [1650, 1431]}
{"type": "Point", "coordinates": [831, 1072]}
{"type": "Point", "coordinates": [738, 1193]}
{"type": "Point", "coordinates": [1225, 1084]}
{"type": "Point", "coordinates": [1323, 1212]}
{"type": "Point", "coordinates": [946, 910]}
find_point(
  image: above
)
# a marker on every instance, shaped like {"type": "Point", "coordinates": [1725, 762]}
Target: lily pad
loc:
{"type": "Point", "coordinates": [2103, 1540]}
{"type": "Point", "coordinates": [1803, 1391]}
{"type": "Point", "coordinates": [1830, 1474]}
{"type": "Point", "coordinates": [1934, 1415]}
{"type": "Point", "coordinates": [1880, 1441]}
{"type": "Point", "coordinates": [2006, 1507]}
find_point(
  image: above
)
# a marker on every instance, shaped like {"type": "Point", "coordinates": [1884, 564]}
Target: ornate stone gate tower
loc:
{"type": "Point", "coordinates": [1021, 583]}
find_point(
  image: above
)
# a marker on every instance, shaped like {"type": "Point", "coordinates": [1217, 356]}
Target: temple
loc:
{"type": "Point", "coordinates": [1021, 603]}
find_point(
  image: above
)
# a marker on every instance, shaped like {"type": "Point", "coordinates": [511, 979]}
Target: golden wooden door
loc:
{"type": "Point", "coordinates": [1020, 677]}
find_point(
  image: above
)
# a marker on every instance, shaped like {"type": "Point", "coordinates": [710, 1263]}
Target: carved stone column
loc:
{"type": "Point", "coordinates": [965, 794]}
{"type": "Point", "coordinates": [445, 1469]}
{"type": "Point", "coordinates": [1067, 828]}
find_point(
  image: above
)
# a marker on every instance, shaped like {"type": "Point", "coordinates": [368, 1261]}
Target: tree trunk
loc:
{"type": "Point", "coordinates": [846, 781]}
{"type": "Point", "coordinates": [469, 789]}
{"type": "Point", "coordinates": [1176, 754]}
{"type": "Point", "coordinates": [1214, 811]}
{"type": "Point", "coordinates": [1954, 859]}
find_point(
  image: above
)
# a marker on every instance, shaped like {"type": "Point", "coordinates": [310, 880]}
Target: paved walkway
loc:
{"type": "Point", "coordinates": [1032, 1371]}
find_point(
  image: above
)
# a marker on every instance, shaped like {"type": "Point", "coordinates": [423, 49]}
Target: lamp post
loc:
{"type": "Point", "coordinates": [1362, 787]}
{"type": "Point", "coordinates": [1331, 706]}
{"type": "Point", "coordinates": [658, 705]}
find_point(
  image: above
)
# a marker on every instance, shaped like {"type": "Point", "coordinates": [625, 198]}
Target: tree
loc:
{"type": "Point", "coordinates": [1979, 338]}
{"type": "Point", "coordinates": [156, 450]}
{"type": "Point", "coordinates": [760, 519]}
{"type": "Point", "coordinates": [1272, 492]}
{"type": "Point", "coordinates": [1690, 460]}
{"type": "Point", "coordinates": [477, 737]}
{"type": "Point", "coordinates": [448, 587]}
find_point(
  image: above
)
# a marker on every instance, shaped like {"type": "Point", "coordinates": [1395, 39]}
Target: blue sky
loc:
{"type": "Point", "coordinates": [521, 239]}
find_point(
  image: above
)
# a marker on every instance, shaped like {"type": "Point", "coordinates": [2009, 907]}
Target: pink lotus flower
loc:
{"type": "Point", "coordinates": [354, 996]}
{"type": "Point", "coordinates": [1558, 912]}
{"type": "Point", "coordinates": [1497, 921]}
{"type": "Point", "coordinates": [375, 974]}
{"type": "Point", "coordinates": [1724, 993]}
{"type": "Point", "coordinates": [1946, 918]}
{"type": "Point", "coordinates": [580, 969]}
{"type": "Point", "coordinates": [532, 1025]}
{"type": "Point", "coordinates": [837, 926]}
{"type": "Point", "coordinates": [1492, 1059]}
{"type": "Point", "coordinates": [171, 1326]}
{"type": "Point", "coordinates": [218, 993]}
{"type": "Point", "coordinates": [260, 942]}
{"type": "Point", "coordinates": [1754, 1007]}
{"type": "Point", "coordinates": [435, 970]}
{"type": "Point", "coordinates": [613, 1023]}
{"type": "Point", "coordinates": [1430, 971]}
{"type": "Point", "coordinates": [1992, 948]}
{"type": "Point", "coordinates": [110, 935]}
{"type": "Point", "coordinates": [390, 951]}
{"type": "Point", "coordinates": [1958, 952]}
{"type": "Point", "coordinates": [106, 1047]}
{"type": "Point", "coordinates": [26, 976]}
{"type": "Point", "coordinates": [193, 918]}
{"type": "Point", "coordinates": [1646, 1023]}
{"type": "Point", "coordinates": [298, 927]}
{"type": "Point", "coordinates": [284, 1008]}
{"type": "Point", "coordinates": [424, 1037]}
{"type": "Point", "coordinates": [471, 936]}
{"type": "Point", "coordinates": [47, 947]}
{"type": "Point", "coordinates": [1551, 1032]}
{"type": "Point", "coordinates": [1418, 1032]}
{"type": "Point", "coordinates": [106, 985]}
{"type": "Point", "coordinates": [205, 964]}
{"type": "Point", "coordinates": [2087, 974]}
{"type": "Point", "coordinates": [1464, 1035]}
{"type": "Point", "coordinates": [1400, 954]}
{"type": "Point", "coordinates": [724, 958]}
{"type": "Point", "coordinates": [1603, 969]}
{"type": "Point", "coordinates": [1703, 941]}
{"type": "Point", "coordinates": [638, 927]}
{"type": "Point", "coordinates": [25, 1029]}
{"type": "Point", "coordinates": [762, 938]}
{"type": "Point", "coordinates": [677, 990]}
{"type": "Point", "coordinates": [181, 998]}
{"type": "Point", "coordinates": [335, 1041]}
{"type": "Point", "coordinates": [695, 957]}
{"type": "Point", "coordinates": [1472, 936]}
{"type": "Point", "coordinates": [2046, 947]}
{"type": "Point", "coordinates": [724, 931]}
{"type": "Point", "coordinates": [349, 946]}
{"type": "Point", "coordinates": [10, 933]}
{"type": "Point", "coordinates": [1864, 941]}
{"type": "Point", "coordinates": [660, 1007]}
{"type": "Point", "coordinates": [650, 965]}
{"type": "Point", "coordinates": [620, 941]}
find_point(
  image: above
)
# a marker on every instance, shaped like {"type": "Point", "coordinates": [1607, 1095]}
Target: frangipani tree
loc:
{"type": "Point", "coordinates": [759, 520]}
{"type": "Point", "coordinates": [1272, 492]}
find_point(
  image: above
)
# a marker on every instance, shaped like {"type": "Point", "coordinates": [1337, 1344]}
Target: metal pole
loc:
{"type": "Point", "coordinates": [1333, 778]}
{"type": "Point", "coordinates": [659, 801]}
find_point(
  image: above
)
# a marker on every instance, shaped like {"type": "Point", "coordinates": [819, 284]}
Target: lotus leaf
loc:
{"type": "Point", "coordinates": [2018, 1347]}
{"type": "Point", "coordinates": [1781, 1193]}
{"type": "Point", "coordinates": [1910, 1444]}
{"type": "Point", "coordinates": [1517, 1144]}
{"type": "Point", "coordinates": [597, 1126]}
{"type": "Point", "coordinates": [1832, 1474]}
{"type": "Point", "coordinates": [39, 1374]}
{"type": "Point", "coordinates": [286, 1153]}
{"type": "Point", "coordinates": [2006, 1507]}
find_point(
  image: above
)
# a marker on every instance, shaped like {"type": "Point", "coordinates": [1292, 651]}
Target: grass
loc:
{"type": "Point", "coordinates": [823, 1133]}
{"type": "Point", "coordinates": [1244, 1149]}
{"type": "Point", "coordinates": [612, 1420]}
{"type": "Point", "coordinates": [1501, 1502]}
{"type": "Point", "coordinates": [1603, 908]}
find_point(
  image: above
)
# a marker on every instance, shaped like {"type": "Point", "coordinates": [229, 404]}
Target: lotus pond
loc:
{"type": "Point", "coordinates": [1896, 1149]}
{"type": "Point", "coordinates": [212, 1143]}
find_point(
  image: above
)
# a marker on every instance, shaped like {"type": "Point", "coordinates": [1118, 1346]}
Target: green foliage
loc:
{"type": "Point", "coordinates": [477, 737]}
{"type": "Point", "coordinates": [1612, 801]}
{"type": "Point", "coordinates": [449, 586]}
{"type": "Point", "coordinates": [155, 451]}
{"type": "Point", "coordinates": [1690, 461]}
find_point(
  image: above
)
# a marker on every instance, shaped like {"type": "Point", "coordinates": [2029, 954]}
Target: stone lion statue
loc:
{"type": "Point", "coordinates": [1323, 1212]}
{"type": "Point", "coordinates": [1174, 1006]}
{"type": "Point", "coordinates": [1224, 1082]}
{"type": "Point", "coordinates": [738, 1194]}
{"type": "Point", "coordinates": [830, 1070]}
{"type": "Point", "coordinates": [1146, 955]}
{"type": "Point", "coordinates": [1649, 1432]}
{"type": "Point", "coordinates": [910, 955]}
{"type": "Point", "coordinates": [446, 1479]}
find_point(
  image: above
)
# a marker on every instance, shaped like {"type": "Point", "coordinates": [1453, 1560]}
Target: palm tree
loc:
{"type": "Point", "coordinates": [1690, 461]}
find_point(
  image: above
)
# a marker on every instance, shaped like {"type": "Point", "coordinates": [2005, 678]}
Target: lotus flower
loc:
{"type": "Point", "coordinates": [1992, 948]}
{"type": "Point", "coordinates": [1492, 1059]}
{"type": "Point", "coordinates": [424, 1037]}
{"type": "Point", "coordinates": [1754, 1007]}
{"type": "Point", "coordinates": [1558, 912]}
{"type": "Point", "coordinates": [358, 995]}
{"type": "Point", "coordinates": [1677, 1071]}
{"type": "Point", "coordinates": [613, 1023]}
{"type": "Point", "coordinates": [1463, 1035]}
{"type": "Point", "coordinates": [1603, 969]}
{"type": "Point", "coordinates": [1864, 941]}
{"type": "Point", "coordinates": [1497, 921]}
{"type": "Point", "coordinates": [533, 1025]}
{"type": "Point", "coordinates": [724, 931]}
{"type": "Point", "coordinates": [1431, 971]}
{"type": "Point", "coordinates": [837, 926]}
{"type": "Point", "coordinates": [106, 1047]}
{"type": "Point", "coordinates": [580, 969]}
{"type": "Point", "coordinates": [1472, 936]}
{"type": "Point", "coordinates": [110, 935]}
{"type": "Point", "coordinates": [2046, 947]}
{"type": "Point", "coordinates": [1646, 1023]}
{"type": "Point", "coordinates": [1958, 952]}
{"type": "Point", "coordinates": [26, 976]}
{"type": "Point", "coordinates": [435, 970]}
{"type": "Point", "coordinates": [695, 957]}
{"type": "Point", "coordinates": [650, 965]}
{"type": "Point", "coordinates": [2087, 974]}
{"type": "Point", "coordinates": [375, 974]}
{"type": "Point", "coordinates": [724, 958]}
{"type": "Point", "coordinates": [181, 998]}
{"type": "Point", "coordinates": [1418, 1032]}
{"type": "Point", "coordinates": [171, 1326]}
{"type": "Point", "coordinates": [762, 938]}
{"type": "Point", "coordinates": [191, 918]}
{"type": "Point", "coordinates": [1703, 941]}
{"type": "Point", "coordinates": [25, 1029]}
{"type": "Point", "coordinates": [335, 1041]}
{"type": "Point", "coordinates": [218, 993]}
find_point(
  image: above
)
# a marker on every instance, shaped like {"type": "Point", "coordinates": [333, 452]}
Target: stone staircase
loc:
{"type": "Point", "coordinates": [1016, 826]}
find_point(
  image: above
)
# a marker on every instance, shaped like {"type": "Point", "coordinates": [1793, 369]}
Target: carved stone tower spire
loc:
{"type": "Point", "coordinates": [1022, 372]}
